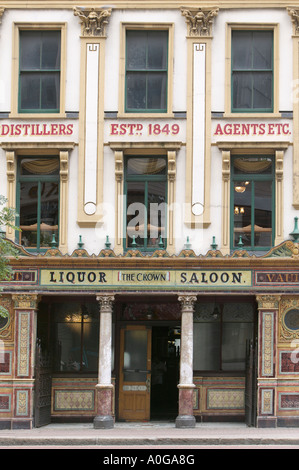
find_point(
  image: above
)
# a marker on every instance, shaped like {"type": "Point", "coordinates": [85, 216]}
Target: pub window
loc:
{"type": "Point", "coordinates": [38, 202]}
{"type": "Point", "coordinates": [252, 203]}
{"type": "Point", "coordinates": [146, 71]}
{"type": "Point", "coordinates": [75, 337]}
{"type": "Point", "coordinates": [146, 202]}
{"type": "Point", "coordinates": [221, 332]}
{"type": "Point", "coordinates": [39, 71]}
{"type": "Point", "coordinates": [252, 71]}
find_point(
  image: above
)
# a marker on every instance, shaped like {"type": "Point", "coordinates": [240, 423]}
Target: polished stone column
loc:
{"type": "Point", "coordinates": [104, 388]}
{"type": "Point", "coordinates": [185, 419]}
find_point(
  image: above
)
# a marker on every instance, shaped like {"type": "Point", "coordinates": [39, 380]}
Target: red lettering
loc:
{"type": "Point", "coordinates": [69, 129]}
{"type": "Point", "coordinates": [218, 130]}
{"type": "Point", "coordinates": [114, 129]}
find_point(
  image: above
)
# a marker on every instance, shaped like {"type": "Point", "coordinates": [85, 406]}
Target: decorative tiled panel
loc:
{"type": "Point", "coordinates": [5, 362]}
{"type": "Point", "coordinates": [22, 403]}
{"type": "Point", "coordinates": [74, 400]}
{"type": "Point", "coordinates": [289, 401]}
{"type": "Point", "coordinates": [5, 403]}
{"type": "Point", "coordinates": [267, 401]}
{"type": "Point", "coordinates": [230, 399]}
{"type": "Point", "coordinates": [23, 344]}
{"type": "Point", "coordinates": [268, 325]}
{"type": "Point", "coordinates": [288, 362]}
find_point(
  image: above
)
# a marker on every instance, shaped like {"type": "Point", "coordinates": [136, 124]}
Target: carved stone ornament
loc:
{"type": "Point", "coordinates": [200, 22]}
{"type": "Point", "coordinates": [187, 302]}
{"type": "Point", "coordinates": [93, 22]}
{"type": "Point", "coordinates": [294, 14]}
{"type": "Point", "coordinates": [106, 302]}
{"type": "Point", "coordinates": [268, 302]}
{"type": "Point", "coordinates": [26, 301]}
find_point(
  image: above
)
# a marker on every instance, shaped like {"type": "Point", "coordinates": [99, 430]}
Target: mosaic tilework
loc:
{"type": "Point", "coordinates": [22, 402]}
{"type": "Point", "coordinates": [23, 343]}
{"type": "Point", "coordinates": [232, 399]}
{"type": "Point", "coordinates": [5, 362]}
{"type": "Point", "coordinates": [289, 401]}
{"type": "Point", "coordinates": [267, 401]}
{"type": "Point", "coordinates": [5, 403]}
{"type": "Point", "coordinates": [267, 343]}
{"type": "Point", "coordinates": [74, 400]}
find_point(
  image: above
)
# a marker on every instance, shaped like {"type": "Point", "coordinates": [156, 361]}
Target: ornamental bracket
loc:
{"type": "Point", "coordinates": [294, 14]}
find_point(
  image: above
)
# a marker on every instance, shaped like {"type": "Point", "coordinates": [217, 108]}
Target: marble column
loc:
{"type": "Point", "coordinates": [104, 388]}
{"type": "Point", "coordinates": [185, 419]}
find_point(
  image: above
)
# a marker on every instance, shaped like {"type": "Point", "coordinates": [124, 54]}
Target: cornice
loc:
{"type": "Point", "coordinates": [285, 255]}
{"type": "Point", "coordinates": [147, 4]}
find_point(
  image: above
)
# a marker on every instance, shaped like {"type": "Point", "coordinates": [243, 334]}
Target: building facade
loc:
{"type": "Point", "coordinates": [151, 152]}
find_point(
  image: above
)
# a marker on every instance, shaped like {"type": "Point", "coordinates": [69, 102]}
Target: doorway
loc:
{"type": "Point", "coordinates": [149, 372]}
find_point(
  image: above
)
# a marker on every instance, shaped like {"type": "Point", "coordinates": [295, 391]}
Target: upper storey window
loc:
{"type": "Point", "coordinates": [146, 71]}
{"type": "Point", "coordinates": [39, 71]}
{"type": "Point", "coordinates": [252, 71]}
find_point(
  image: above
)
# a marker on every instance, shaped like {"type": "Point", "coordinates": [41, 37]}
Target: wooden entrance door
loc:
{"type": "Point", "coordinates": [135, 373]}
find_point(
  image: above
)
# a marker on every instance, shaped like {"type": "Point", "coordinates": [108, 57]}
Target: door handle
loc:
{"type": "Point", "coordinates": [148, 384]}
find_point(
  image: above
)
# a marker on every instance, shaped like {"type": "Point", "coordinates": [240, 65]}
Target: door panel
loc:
{"type": "Point", "coordinates": [135, 373]}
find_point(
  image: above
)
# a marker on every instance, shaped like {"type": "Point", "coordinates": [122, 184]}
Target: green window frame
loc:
{"type": "Point", "coordinates": [252, 72]}
{"type": "Point", "coordinates": [38, 188]}
{"type": "Point", "coordinates": [146, 81]}
{"type": "Point", "coordinates": [252, 211]}
{"type": "Point", "coordinates": [145, 188]}
{"type": "Point", "coordinates": [39, 71]}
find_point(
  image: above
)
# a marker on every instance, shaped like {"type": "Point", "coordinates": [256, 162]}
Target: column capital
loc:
{"type": "Point", "coordinates": [26, 301]}
{"type": "Point", "coordinates": [93, 21]}
{"type": "Point", "coordinates": [266, 302]}
{"type": "Point", "coordinates": [199, 21]}
{"type": "Point", "coordinates": [106, 302]}
{"type": "Point", "coordinates": [294, 14]}
{"type": "Point", "coordinates": [187, 301]}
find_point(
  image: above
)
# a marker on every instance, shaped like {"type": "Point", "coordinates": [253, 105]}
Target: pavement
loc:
{"type": "Point", "coordinates": [149, 435]}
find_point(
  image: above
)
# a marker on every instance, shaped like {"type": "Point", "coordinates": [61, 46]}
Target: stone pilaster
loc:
{"type": "Point", "coordinates": [185, 419]}
{"type": "Point", "coordinates": [104, 418]}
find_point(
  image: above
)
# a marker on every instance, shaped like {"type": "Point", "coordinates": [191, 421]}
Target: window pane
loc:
{"type": "Point", "coordinates": [157, 50]}
{"type": "Point", "coordinates": [135, 355]}
{"type": "Point", "coordinates": [136, 50]}
{"type": "Point", "coordinates": [262, 49]}
{"type": "Point", "coordinates": [156, 214]}
{"type": "Point", "coordinates": [50, 91]}
{"type": "Point", "coordinates": [242, 212]}
{"type": "Point", "coordinates": [28, 213]}
{"type": "Point", "coordinates": [263, 213]}
{"type": "Point", "coordinates": [30, 50]}
{"type": "Point", "coordinates": [241, 50]}
{"type": "Point", "coordinates": [50, 50]}
{"type": "Point", "coordinates": [242, 90]}
{"type": "Point", "coordinates": [156, 91]}
{"type": "Point", "coordinates": [262, 90]}
{"type": "Point", "coordinates": [136, 213]}
{"type": "Point", "coordinates": [30, 91]}
{"type": "Point", "coordinates": [234, 337]}
{"type": "Point", "coordinates": [136, 91]}
{"type": "Point", "coordinates": [206, 346]}
{"type": "Point", "coordinates": [39, 166]}
{"type": "Point", "coordinates": [254, 165]}
{"type": "Point", "coordinates": [146, 166]}
{"type": "Point", "coordinates": [49, 213]}
{"type": "Point", "coordinates": [76, 336]}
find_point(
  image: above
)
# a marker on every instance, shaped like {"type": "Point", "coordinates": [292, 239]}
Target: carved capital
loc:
{"type": "Point", "coordinates": [268, 302]}
{"type": "Point", "coordinates": [93, 22]}
{"type": "Point", "coordinates": [200, 22]}
{"type": "Point", "coordinates": [10, 166]}
{"type": "Point", "coordinates": [106, 302]}
{"type": "Point", "coordinates": [64, 165]}
{"type": "Point", "coordinates": [294, 14]}
{"type": "Point", "coordinates": [187, 302]}
{"type": "Point", "coordinates": [26, 301]}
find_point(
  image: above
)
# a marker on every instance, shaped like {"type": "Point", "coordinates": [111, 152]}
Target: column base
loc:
{"type": "Point", "coordinates": [103, 422]}
{"type": "Point", "coordinates": [185, 421]}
